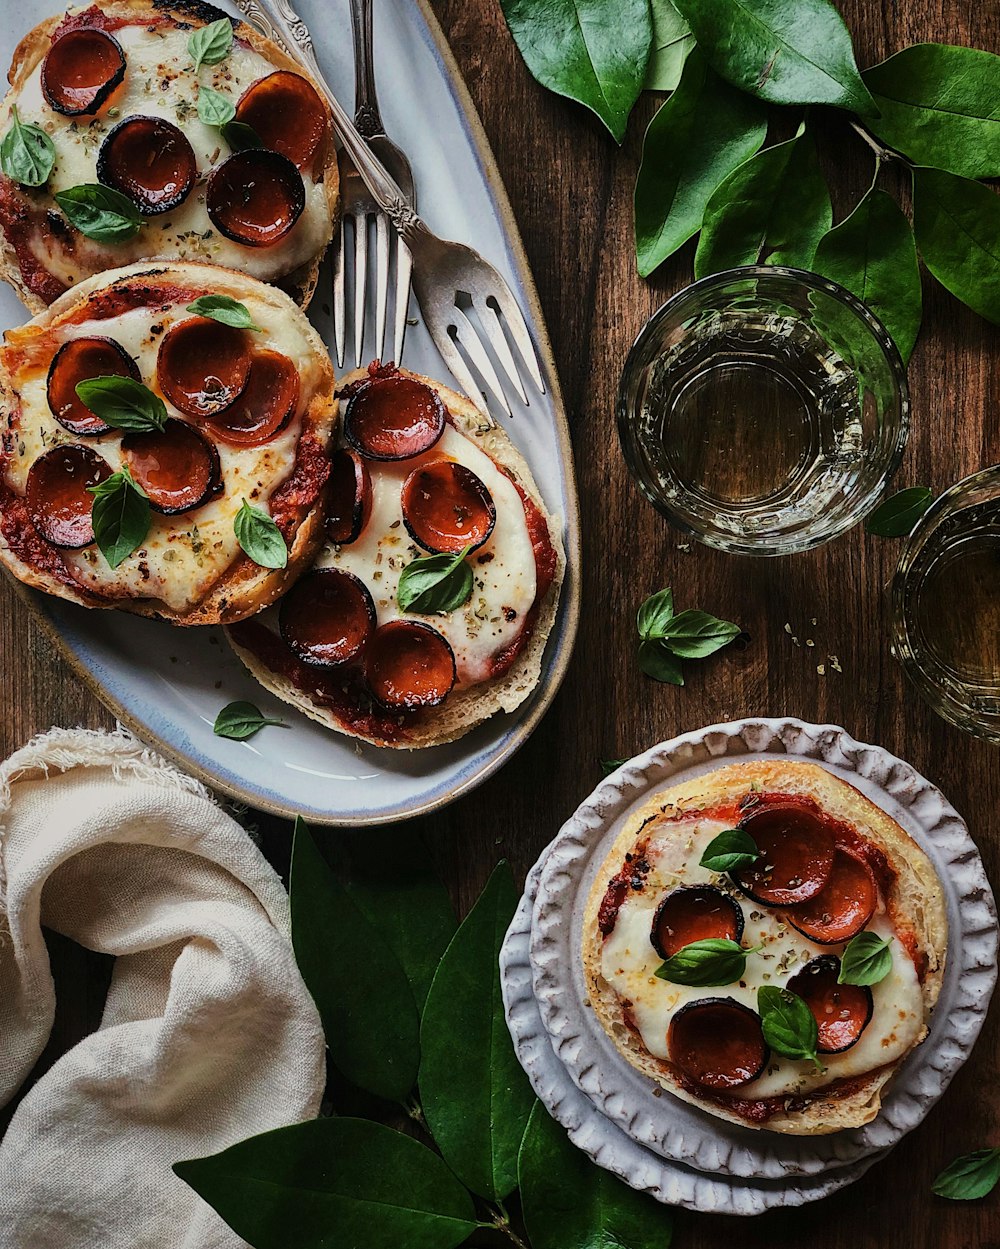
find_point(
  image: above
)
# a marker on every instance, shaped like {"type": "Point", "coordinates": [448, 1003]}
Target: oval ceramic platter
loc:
{"type": "Point", "coordinates": [167, 684]}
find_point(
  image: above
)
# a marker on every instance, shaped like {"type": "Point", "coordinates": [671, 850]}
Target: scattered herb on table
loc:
{"type": "Point", "coordinates": [896, 516]}
{"type": "Point", "coordinates": [665, 638]}
{"type": "Point", "coordinates": [970, 1177]}
{"type": "Point", "coordinates": [611, 765]}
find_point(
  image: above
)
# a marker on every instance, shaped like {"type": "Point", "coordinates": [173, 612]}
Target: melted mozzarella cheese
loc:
{"type": "Point", "coordinates": [504, 567]}
{"type": "Point", "coordinates": [183, 555]}
{"type": "Point", "coordinates": [629, 962]}
{"type": "Point", "coordinates": [159, 82]}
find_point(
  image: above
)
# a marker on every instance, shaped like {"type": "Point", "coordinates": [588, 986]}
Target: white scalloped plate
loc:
{"type": "Point", "coordinates": [682, 1132]}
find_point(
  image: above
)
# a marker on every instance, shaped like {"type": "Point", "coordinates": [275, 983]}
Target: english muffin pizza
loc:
{"type": "Point", "coordinates": [767, 944]}
{"type": "Point", "coordinates": [145, 128]}
{"type": "Point", "coordinates": [166, 435]}
{"type": "Point", "coordinates": [428, 608]}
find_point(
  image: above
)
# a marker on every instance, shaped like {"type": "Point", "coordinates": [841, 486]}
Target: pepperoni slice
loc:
{"type": "Point", "coordinates": [694, 913]}
{"type": "Point", "coordinates": [393, 418]}
{"type": "Point", "coordinates": [58, 501]}
{"type": "Point", "coordinates": [327, 618]}
{"type": "Point", "coordinates": [843, 906]}
{"type": "Point", "coordinates": [266, 403]}
{"type": "Point", "coordinates": [446, 507]}
{"type": "Point", "coordinates": [796, 855]}
{"type": "Point", "coordinates": [287, 114]}
{"type": "Point", "coordinates": [77, 361]}
{"type": "Point", "coordinates": [350, 498]}
{"type": "Point", "coordinates": [202, 365]}
{"type": "Point", "coordinates": [255, 197]}
{"type": "Point", "coordinates": [718, 1043]}
{"type": "Point", "coordinates": [178, 468]}
{"type": "Point", "coordinates": [81, 70]}
{"type": "Point", "coordinates": [842, 1011]}
{"type": "Point", "coordinates": [150, 161]}
{"type": "Point", "coordinates": [409, 665]}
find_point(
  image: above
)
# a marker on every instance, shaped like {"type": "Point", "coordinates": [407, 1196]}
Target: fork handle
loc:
{"type": "Point", "coordinates": [367, 117]}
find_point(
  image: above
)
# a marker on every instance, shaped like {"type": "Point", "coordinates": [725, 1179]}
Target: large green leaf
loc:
{"type": "Point", "coordinates": [672, 41]}
{"type": "Point", "coordinates": [773, 210]}
{"type": "Point", "coordinates": [873, 255]}
{"type": "Point", "coordinates": [592, 51]}
{"type": "Point", "coordinates": [957, 224]}
{"type": "Point", "coordinates": [700, 135]}
{"type": "Point", "coordinates": [940, 106]}
{"type": "Point", "coordinates": [334, 1184]}
{"type": "Point", "coordinates": [784, 51]}
{"type": "Point", "coordinates": [568, 1203]}
{"type": "Point", "coordinates": [475, 1096]}
{"type": "Point", "coordinates": [364, 998]}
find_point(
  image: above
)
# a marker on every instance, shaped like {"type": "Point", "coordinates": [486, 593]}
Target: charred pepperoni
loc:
{"type": "Point", "coordinates": [350, 498]}
{"type": "Point", "coordinates": [843, 906]}
{"type": "Point", "coordinates": [393, 418]}
{"type": "Point", "coordinates": [446, 507]}
{"type": "Point", "coordinates": [178, 468]}
{"type": "Point", "coordinates": [408, 664]}
{"type": "Point", "coordinates": [718, 1043]}
{"type": "Point", "coordinates": [694, 913]}
{"type": "Point", "coordinates": [327, 618]}
{"type": "Point", "coordinates": [202, 365]}
{"type": "Point", "coordinates": [255, 197]}
{"type": "Point", "coordinates": [796, 851]}
{"type": "Point", "coordinates": [58, 499]}
{"type": "Point", "coordinates": [77, 361]}
{"type": "Point", "coordinates": [842, 1011]}
{"type": "Point", "coordinates": [265, 405]}
{"type": "Point", "coordinates": [81, 70]}
{"type": "Point", "coordinates": [150, 161]}
{"type": "Point", "coordinates": [287, 114]}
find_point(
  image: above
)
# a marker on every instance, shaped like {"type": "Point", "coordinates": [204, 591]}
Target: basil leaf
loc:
{"type": "Point", "coordinates": [773, 210]}
{"type": "Point", "coordinates": [214, 109]}
{"type": "Point", "coordinates": [873, 254]}
{"type": "Point", "coordinates": [672, 43]}
{"type": "Point", "coordinates": [222, 308]}
{"type": "Point", "coordinates": [260, 537]}
{"type": "Point", "coordinates": [568, 1203]}
{"type": "Point", "coordinates": [27, 154]}
{"type": "Point", "coordinates": [121, 516]}
{"type": "Point", "coordinates": [707, 964]}
{"type": "Point", "coordinates": [210, 44]}
{"type": "Point", "coordinates": [782, 52]}
{"type": "Point", "coordinates": [240, 136]}
{"type": "Point", "coordinates": [435, 584]}
{"type": "Point", "coordinates": [475, 1096]}
{"type": "Point", "coordinates": [588, 50]}
{"type": "Point", "coordinates": [969, 1177]}
{"type": "Point", "coordinates": [900, 512]}
{"type": "Point", "coordinates": [240, 721]}
{"type": "Point", "coordinates": [702, 134]}
{"type": "Point", "coordinates": [696, 634]}
{"type": "Point", "coordinates": [730, 850]}
{"type": "Point", "coordinates": [788, 1024]}
{"type": "Point", "coordinates": [385, 1189]}
{"type": "Point", "coordinates": [656, 661]}
{"type": "Point", "coordinates": [124, 403]}
{"type": "Point", "coordinates": [611, 765]}
{"type": "Point", "coordinates": [938, 105]}
{"type": "Point", "coordinates": [957, 224]}
{"type": "Point", "coordinates": [867, 959]}
{"type": "Point", "coordinates": [100, 212]}
{"type": "Point", "coordinates": [655, 613]}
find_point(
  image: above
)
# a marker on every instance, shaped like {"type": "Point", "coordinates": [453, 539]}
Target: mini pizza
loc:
{"type": "Point", "coordinates": [166, 435]}
{"type": "Point", "coordinates": [825, 955]}
{"type": "Point", "coordinates": [145, 128]}
{"type": "Point", "coordinates": [428, 608]}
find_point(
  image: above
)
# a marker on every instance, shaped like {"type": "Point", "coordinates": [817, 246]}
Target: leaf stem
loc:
{"type": "Point", "coordinates": [415, 1111]}
{"type": "Point", "coordinates": [501, 1220]}
{"type": "Point", "coordinates": [883, 153]}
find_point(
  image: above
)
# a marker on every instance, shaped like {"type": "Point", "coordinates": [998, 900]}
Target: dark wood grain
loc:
{"type": "Point", "coordinates": [571, 190]}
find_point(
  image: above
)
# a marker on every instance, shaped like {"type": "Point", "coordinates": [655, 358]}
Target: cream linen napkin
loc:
{"type": "Point", "coordinates": [208, 1035]}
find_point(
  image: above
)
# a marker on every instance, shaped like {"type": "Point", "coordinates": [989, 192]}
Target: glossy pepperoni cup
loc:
{"type": "Point", "coordinates": [842, 1011]}
{"type": "Point", "coordinates": [350, 498]}
{"type": "Point", "coordinates": [718, 1043]}
{"type": "Point", "coordinates": [409, 665]}
{"type": "Point", "coordinates": [203, 365]}
{"type": "Point", "coordinates": [150, 161]}
{"type": "Point", "coordinates": [393, 418]}
{"type": "Point", "coordinates": [79, 360]}
{"type": "Point", "coordinates": [177, 467]}
{"type": "Point", "coordinates": [265, 405]}
{"type": "Point", "coordinates": [286, 112]}
{"type": "Point", "coordinates": [694, 913]}
{"type": "Point", "coordinates": [255, 197]}
{"type": "Point", "coordinates": [796, 851]}
{"type": "Point", "coordinates": [58, 497]}
{"type": "Point", "coordinates": [327, 618]}
{"type": "Point", "coordinates": [446, 507]}
{"type": "Point", "coordinates": [843, 906]}
{"type": "Point", "coordinates": [81, 70]}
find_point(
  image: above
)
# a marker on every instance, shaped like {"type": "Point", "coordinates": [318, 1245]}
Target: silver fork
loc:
{"type": "Point", "coordinates": [449, 278]}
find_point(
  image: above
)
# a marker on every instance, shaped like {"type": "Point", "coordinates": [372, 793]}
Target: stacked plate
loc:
{"type": "Point", "coordinates": [623, 1120]}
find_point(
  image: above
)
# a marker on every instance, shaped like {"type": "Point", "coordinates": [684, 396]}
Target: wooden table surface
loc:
{"type": "Point", "coordinates": [571, 191]}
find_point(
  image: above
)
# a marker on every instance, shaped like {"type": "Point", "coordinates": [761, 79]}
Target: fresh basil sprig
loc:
{"type": "Point", "coordinates": [27, 154]}
{"type": "Point", "coordinates": [260, 537]}
{"type": "Point", "coordinates": [666, 638]}
{"type": "Point", "coordinates": [240, 136]}
{"type": "Point", "coordinates": [210, 44]}
{"type": "Point", "coordinates": [866, 960]}
{"type": "Point", "coordinates": [120, 515]}
{"type": "Point", "coordinates": [969, 1177]}
{"type": "Point", "coordinates": [788, 1024]}
{"type": "Point", "coordinates": [729, 851]}
{"type": "Point", "coordinates": [214, 108]}
{"type": "Point", "coordinates": [241, 720]}
{"type": "Point", "coordinates": [707, 964]}
{"type": "Point", "coordinates": [100, 212]}
{"type": "Point", "coordinates": [896, 516]}
{"type": "Point", "coordinates": [223, 308]}
{"type": "Point", "coordinates": [435, 584]}
{"type": "Point", "coordinates": [124, 403]}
